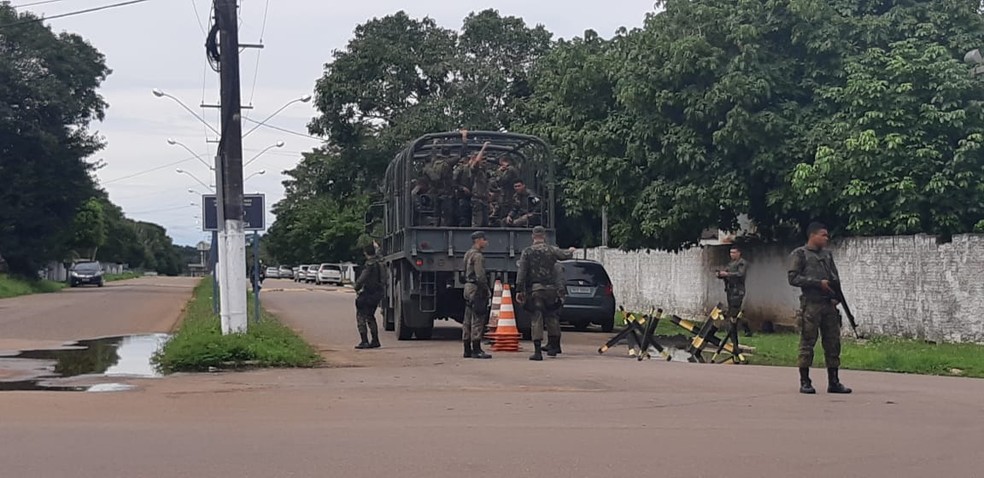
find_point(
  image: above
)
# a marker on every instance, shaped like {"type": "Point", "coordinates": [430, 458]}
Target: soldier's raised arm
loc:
{"type": "Point", "coordinates": [797, 267]}
{"type": "Point", "coordinates": [563, 254]}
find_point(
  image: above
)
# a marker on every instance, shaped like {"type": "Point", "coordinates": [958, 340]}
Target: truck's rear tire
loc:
{"type": "Point", "coordinates": [424, 333]}
{"type": "Point", "coordinates": [402, 331]}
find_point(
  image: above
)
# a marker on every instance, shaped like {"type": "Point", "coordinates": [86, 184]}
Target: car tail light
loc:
{"type": "Point", "coordinates": [420, 262]}
{"type": "Point", "coordinates": [609, 291]}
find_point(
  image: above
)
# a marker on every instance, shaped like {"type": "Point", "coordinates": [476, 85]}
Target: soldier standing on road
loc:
{"type": "Point", "coordinates": [477, 295]}
{"type": "Point", "coordinates": [369, 287]}
{"type": "Point", "coordinates": [537, 277]}
{"type": "Point", "coordinates": [812, 269]}
{"type": "Point", "coordinates": [734, 287]}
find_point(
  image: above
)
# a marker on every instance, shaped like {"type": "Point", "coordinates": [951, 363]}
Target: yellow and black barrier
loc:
{"type": "Point", "coordinates": [638, 332]}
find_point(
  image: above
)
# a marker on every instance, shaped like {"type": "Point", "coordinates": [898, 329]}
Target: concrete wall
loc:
{"type": "Point", "coordinates": [905, 286]}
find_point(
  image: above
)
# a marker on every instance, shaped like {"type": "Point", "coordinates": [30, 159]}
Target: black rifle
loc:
{"type": "Point", "coordinates": [835, 286]}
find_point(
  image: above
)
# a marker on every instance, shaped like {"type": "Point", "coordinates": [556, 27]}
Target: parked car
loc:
{"type": "Point", "coordinates": [329, 274]}
{"type": "Point", "coordinates": [285, 272]}
{"type": "Point", "coordinates": [300, 275]}
{"type": "Point", "coordinates": [590, 296]}
{"type": "Point", "coordinates": [312, 273]}
{"type": "Point", "coordinates": [271, 273]}
{"type": "Point", "coordinates": [86, 273]}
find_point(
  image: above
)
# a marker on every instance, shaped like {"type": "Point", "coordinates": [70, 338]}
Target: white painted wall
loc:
{"type": "Point", "coordinates": [905, 286]}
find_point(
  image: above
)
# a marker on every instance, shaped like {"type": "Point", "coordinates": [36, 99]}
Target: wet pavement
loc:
{"type": "Point", "coordinates": [123, 357]}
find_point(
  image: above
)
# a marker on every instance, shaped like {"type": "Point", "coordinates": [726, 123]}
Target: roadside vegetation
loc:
{"type": "Point", "coordinates": [13, 287]}
{"type": "Point", "coordinates": [880, 354]}
{"type": "Point", "coordinates": [123, 276]}
{"type": "Point", "coordinates": [199, 343]}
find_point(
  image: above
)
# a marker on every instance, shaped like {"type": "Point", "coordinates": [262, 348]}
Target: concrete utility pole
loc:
{"type": "Point", "coordinates": [229, 175]}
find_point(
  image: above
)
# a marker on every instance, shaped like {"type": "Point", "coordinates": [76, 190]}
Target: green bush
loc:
{"type": "Point", "coordinates": [13, 287]}
{"type": "Point", "coordinates": [199, 343]}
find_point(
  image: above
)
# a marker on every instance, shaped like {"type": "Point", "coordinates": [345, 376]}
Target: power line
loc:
{"type": "Point", "coordinates": [259, 53]}
{"type": "Point", "coordinates": [159, 210]}
{"type": "Point", "coordinates": [36, 3]}
{"type": "Point", "coordinates": [72, 14]}
{"type": "Point", "coordinates": [295, 133]}
{"type": "Point", "coordinates": [141, 173]}
{"type": "Point", "coordinates": [198, 17]}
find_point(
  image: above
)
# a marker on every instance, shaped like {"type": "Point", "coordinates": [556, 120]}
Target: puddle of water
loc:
{"type": "Point", "coordinates": [127, 356]}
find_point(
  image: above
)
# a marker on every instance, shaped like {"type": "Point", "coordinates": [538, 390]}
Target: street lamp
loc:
{"type": "Point", "coordinates": [172, 142]}
{"type": "Point", "coordinates": [160, 94]}
{"type": "Point", "coordinates": [303, 99]}
{"type": "Point", "coordinates": [181, 171]}
{"type": "Point", "coordinates": [258, 173]}
{"type": "Point", "coordinates": [278, 144]}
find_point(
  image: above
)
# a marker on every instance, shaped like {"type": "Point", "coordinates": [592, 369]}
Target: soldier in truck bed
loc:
{"type": "Point", "coordinates": [525, 208]}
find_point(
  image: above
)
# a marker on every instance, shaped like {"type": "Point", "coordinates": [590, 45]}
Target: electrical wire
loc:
{"type": "Point", "coordinates": [283, 130]}
{"type": "Point", "coordinates": [45, 2]}
{"type": "Point", "coordinates": [198, 17]}
{"type": "Point", "coordinates": [148, 171]}
{"type": "Point", "coordinates": [259, 53]}
{"type": "Point", "coordinates": [72, 14]}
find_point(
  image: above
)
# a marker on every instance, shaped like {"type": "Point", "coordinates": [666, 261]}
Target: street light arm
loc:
{"type": "Point", "coordinates": [303, 99]}
{"type": "Point", "coordinates": [161, 94]}
{"type": "Point", "coordinates": [179, 143]}
{"type": "Point", "coordinates": [206, 186]}
{"type": "Point", "coordinates": [279, 144]}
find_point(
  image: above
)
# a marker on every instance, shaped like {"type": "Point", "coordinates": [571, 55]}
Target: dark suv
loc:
{"type": "Point", "coordinates": [86, 273]}
{"type": "Point", "coordinates": [590, 297]}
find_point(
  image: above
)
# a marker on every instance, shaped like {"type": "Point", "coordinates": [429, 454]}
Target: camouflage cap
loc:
{"type": "Point", "coordinates": [478, 235]}
{"type": "Point", "coordinates": [539, 230]}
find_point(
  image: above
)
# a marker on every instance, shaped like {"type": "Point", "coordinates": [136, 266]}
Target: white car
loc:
{"type": "Point", "coordinates": [300, 275]}
{"type": "Point", "coordinates": [272, 273]}
{"type": "Point", "coordinates": [329, 274]}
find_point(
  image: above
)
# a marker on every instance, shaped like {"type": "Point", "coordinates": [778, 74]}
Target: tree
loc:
{"type": "Point", "coordinates": [706, 112]}
{"type": "Point", "coordinates": [397, 79]}
{"type": "Point", "coordinates": [48, 97]}
{"type": "Point", "coordinates": [89, 228]}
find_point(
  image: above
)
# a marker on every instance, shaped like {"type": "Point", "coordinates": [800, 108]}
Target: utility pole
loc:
{"type": "Point", "coordinates": [229, 186]}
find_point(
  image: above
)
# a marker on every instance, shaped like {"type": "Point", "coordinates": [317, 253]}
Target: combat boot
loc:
{"type": "Point", "coordinates": [375, 343]}
{"type": "Point", "coordinates": [477, 351]}
{"type": "Point", "coordinates": [806, 386]}
{"type": "Point", "coordinates": [553, 346]}
{"type": "Point", "coordinates": [468, 349]}
{"type": "Point", "coordinates": [833, 382]}
{"type": "Point", "coordinates": [537, 351]}
{"type": "Point", "coordinates": [365, 342]}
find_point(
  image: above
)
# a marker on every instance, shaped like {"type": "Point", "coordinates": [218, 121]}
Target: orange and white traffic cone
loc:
{"type": "Point", "coordinates": [506, 336]}
{"type": "Point", "coordinates": [496, 305]}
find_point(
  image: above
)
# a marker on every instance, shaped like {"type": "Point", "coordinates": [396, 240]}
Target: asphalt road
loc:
{"type": "Point", "coordinates": [417, 409]}
{"type": "Point", "coordinates": [136, 306]}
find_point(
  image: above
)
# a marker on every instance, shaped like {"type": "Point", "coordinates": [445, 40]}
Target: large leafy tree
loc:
{"type": "Point", "coordinates": [778, 110]}
{"type": "Point", "coordinates": [48, 96]}
{"type": "Point", "coordinates": [397, 79]}
{"type": "Point", "coordinates": [89, 229]}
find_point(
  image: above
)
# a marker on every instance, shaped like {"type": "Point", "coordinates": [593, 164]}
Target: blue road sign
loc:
{"type": "Point", "coordinates": [254, 212]}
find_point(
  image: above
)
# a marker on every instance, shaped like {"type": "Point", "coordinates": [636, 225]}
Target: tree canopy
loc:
{"type": "Point", "coordinates": [857, 113]}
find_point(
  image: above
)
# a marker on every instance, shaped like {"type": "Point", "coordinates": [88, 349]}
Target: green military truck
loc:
{"type": "Point", "coordinates": [424, 256]}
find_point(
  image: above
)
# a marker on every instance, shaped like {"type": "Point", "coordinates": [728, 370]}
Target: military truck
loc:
{"type": "Point", "coordinates": [425, 257]}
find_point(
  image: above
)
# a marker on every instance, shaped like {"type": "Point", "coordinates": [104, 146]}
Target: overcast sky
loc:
{"type": "Point", "coordinates": [159, 44]}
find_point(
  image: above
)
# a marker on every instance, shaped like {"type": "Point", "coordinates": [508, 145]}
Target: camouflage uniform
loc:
{"type": "Point", "coordinates": [476, 296]}
{"type": "Point", "coordinates": [462, 194]}
{"type": "Point", "coordinates": [440, 172]}
{"type": "Point", "coordinates": [734, 289]}
{"type": "Point", "coordinates": [369, 289]}
{"type": "Point", "coordinates": [817, 313]}
{"type": "Point", "coordinates": [537, 280]}
{"type": "Point", "coordinates": [479, 195]}
{"type": "Point", "coordinates": [525, 209]}
{"type": "Point", "coordinates": [507, 178]}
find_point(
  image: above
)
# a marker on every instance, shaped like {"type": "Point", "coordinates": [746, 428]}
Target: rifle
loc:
{"type": "Point", "coordinates": [835, 286]}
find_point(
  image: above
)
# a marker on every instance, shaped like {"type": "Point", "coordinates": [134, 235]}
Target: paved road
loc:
{"type": "Point", "coordinates": [416, 409]}
{"type": "Point", "coordinates": [137, 306]}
